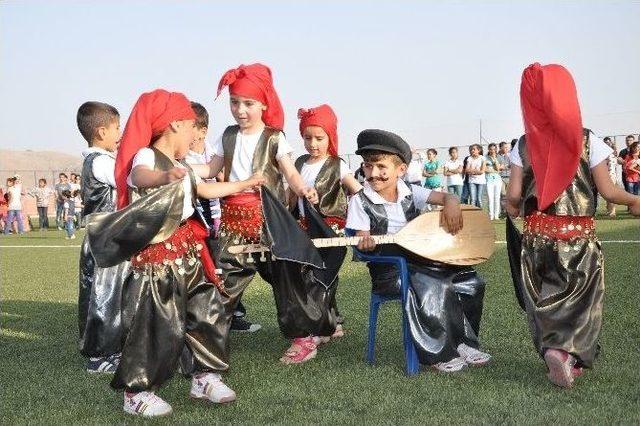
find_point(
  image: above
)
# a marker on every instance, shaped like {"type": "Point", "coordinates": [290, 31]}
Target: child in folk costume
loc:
{"type": "Point", "coordinates": [323, 169]}
{"type": "Point", "coordinates": [100, 289]}
{"type": "Point", "coordinates": [173, 298]}
{"type": "Point", "coordinates": [445, 302]}
{"type": "Point", "coordinates": [562, 271]}
{"type": "Point", "coordinates": [257, 145]}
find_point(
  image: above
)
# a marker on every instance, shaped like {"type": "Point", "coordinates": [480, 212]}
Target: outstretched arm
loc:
{"type": "Point", "coordinates": [222, 189]}
{"type": "Point", "coordinates": [144, 177]}
{"type": "Point", "coordinates": [295, 181]}
{"type": "Point", "coordinates": [209, 170]}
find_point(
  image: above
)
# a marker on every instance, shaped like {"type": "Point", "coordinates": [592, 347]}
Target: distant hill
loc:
{"type": "Point", "coordinates": [32, 165]}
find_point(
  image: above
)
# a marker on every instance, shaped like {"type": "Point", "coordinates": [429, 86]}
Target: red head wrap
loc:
{"type": "Point", "coordinates": [553, 127]}
{"type": "Point", "coordinates": [151, 115]}
{"type": "Point", "coordinates": [321, 116]}
{"type": "Point", "coordinates": [255, 82]}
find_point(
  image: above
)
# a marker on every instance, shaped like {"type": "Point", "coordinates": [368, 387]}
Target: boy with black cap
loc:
{"type": "Point", "coordinates": [445, 302]}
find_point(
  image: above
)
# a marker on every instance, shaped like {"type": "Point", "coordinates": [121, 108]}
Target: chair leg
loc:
{"type": "Point", "coordinates": [412, 365]}
{"type": "Point", "coordinates": [373, 323]}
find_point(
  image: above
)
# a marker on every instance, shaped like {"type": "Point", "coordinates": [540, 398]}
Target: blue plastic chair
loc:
{"type": "Point", "coordinates": [410, 355]}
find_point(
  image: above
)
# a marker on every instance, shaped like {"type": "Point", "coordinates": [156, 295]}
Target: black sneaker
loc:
{"type": "Point", "coordinates": [103, 365]}
{"type": "Point", "coordinates": [243, 326]}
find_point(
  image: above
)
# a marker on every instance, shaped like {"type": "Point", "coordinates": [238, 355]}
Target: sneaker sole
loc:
{"type": "Point", "coordinates": [559, 372]}
{"type": "Point", "coordinates": [246, 331]}
{"type": "Point", "coordinates": [96, 372]}
{"type": "Point", "coordinates": [133, 413]}
{"type": "Point", "coordinates": [204, 398]}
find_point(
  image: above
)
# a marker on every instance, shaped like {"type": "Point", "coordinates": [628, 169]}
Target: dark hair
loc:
{"type": "Point", "coordinates": [202, 116]}
{"type": "Point", "coordinates": [11, 179]}
{"type": "Point", "coordinates": [630, 137]}
{"type": "Point", "coordinates": [63, 174]}
{"type": "Point", "coordinates": [74, 175]}
{"type": "Point", "coordinates": [452, 148]}
{"type": "Point", "coordinates": [492, 145]}
{"type": "Point", "coordinates": [66, 193]}
{"type": "Point", "coordinates": [503, 143]}
{"type": "Point", "coordinates": [633, 147]}
{"type": "Point", "coordinates": [606, 139]}
{"type": "Point", "coordinates": [433, 151]}
{"type": "Point", "coordinates": [92, 115]}
{"type": "Point", "coordinates": [477, 145]}
{"type": "Point", "coordinates": [513, 142]}
{"type": "Point", "coordinates": [375, 155]}
{"type": "Point", "coordinates": [42, 180]}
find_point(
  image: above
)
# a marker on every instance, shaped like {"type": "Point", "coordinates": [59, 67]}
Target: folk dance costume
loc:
{"type": "Point", "coordinates": [561, 268]}
{"type": "Point", "coordinates": [249, 218]}
{"type": "Point", "coordinates": [173, 299]}
{"type": "Point", "coordinates": [327, 177]}
{"type": "Point", "coordinates": [445, 302]}
{"type": "Point", "coordinates": [100, 289]}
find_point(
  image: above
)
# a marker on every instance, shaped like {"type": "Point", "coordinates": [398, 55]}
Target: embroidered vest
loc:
{"type": "Point", "coordinates": [96, 196]}
{"type": "Point", "coordinates": [579, 199]}
{"type": "Point", "coordinates": [378, 218]}
{"type": "Point", "coordinates": [333, 199]}
{"type": "Point", "coordinates": [264, 158]}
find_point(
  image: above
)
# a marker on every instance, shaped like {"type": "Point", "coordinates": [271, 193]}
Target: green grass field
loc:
{"type": "Point", "coordinates": [44, 382]}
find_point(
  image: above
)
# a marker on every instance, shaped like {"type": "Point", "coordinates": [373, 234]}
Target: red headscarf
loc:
{"type": "Point", "coordinates": [321, 116]}
{"type": "Point", "coordinates": [255, 82]}
{"type": "Point", "coordinates": [553, 127]}
{"type": "Point", "coordinates": [150, 116]}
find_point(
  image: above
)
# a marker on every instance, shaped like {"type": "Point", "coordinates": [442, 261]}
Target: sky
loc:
{"type": "Point", "coordinates": [429, 71]}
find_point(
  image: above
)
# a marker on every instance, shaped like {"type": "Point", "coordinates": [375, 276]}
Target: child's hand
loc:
{"type": "Point", "coordinates": [311, 194]}
{"type": "Point", "coordinates": [174, 174]}
{"type": "Point", "coordinates": [451, 215]}
{"type": "Point", "coordinates": [255, 181]}
{"type": "Point", "coordinates": [634, 208]}
{"type": "Point", "coordinates": [512, 211]}
{"type": "Point", "coordinates": [366, 243]}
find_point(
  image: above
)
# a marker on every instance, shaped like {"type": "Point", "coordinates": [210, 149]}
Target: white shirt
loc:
{"type": "Point", "coordinates": [204, 158]}
{"type": "Point", "coordinates": [15, 203]}
{"type": "Point", "coordinates": [309, 173]}
{"type": "Point", "coordinates": [598, 152]}
{"type": "Point", "coordinates": [357, 218]}
{"type": "Point", "coordinates": [241, 166]}
{"type": "Point", "coordinates": [476, 163]}
{"type": "Point", "coordinates": [104, 165]}
{"type": "Point", "coordinates": [453, 165]}
{"type": "Point", "coordinates": [147, 158]}
{"type": "Point", "coordinates": [414, 171]}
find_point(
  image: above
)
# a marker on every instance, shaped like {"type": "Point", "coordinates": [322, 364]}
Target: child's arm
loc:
{"type": "Point", "coordinates": [514, 191]}
{"type": "Point", "coordinates": [222, 189]}
{"type": "Point", "coordinates": [351, 184]}
{"type": "Point", "coordinates": [451, 215]}
{"type": "Point", "coordinates": [611, 192]}
{"type": "Point", "coordinates": [144, 177]}
{"type": "Point", "coordinates": [209, 170]}
{"type": "Point", "coordinates": [295, 181]}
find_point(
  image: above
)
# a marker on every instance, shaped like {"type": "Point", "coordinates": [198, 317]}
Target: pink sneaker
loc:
{"type": "Point", "coordinates": [560, 364]}
{"type": "Point", "coordinates": [302, 350]}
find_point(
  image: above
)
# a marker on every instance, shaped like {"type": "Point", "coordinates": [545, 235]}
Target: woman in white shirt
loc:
{"type": "Point", "coordinates": [476, 168]}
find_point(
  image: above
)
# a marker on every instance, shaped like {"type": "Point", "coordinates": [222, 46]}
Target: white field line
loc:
{"type": "Point", "coordinates": [497, 242]}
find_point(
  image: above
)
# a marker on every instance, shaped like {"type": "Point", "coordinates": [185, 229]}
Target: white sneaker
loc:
{"type": "Point", "coordinates": [209, 386]}
{"type": "Point", "coordinates": [473, 356]}
{"type": "Point", "coordinates": [146, 404]}
{"type": "Point", "coordinates": [451, 366]}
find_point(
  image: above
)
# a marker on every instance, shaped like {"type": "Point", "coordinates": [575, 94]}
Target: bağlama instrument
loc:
{"type": "Point", "coordinates": [423, 236]}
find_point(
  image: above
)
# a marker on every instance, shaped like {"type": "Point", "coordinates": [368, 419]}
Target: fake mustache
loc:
{"type": "Point", "coordinates": [379, 179]}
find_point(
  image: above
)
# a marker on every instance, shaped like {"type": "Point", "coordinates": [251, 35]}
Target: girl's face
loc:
{"type": "Point", "coordinates": [454, 154]}
{"type": "Point", "coordinates": [246, 111]}
{"type": "Point", "coordinates": [185, 133]}
{"type": "Point", "coordinates": [316, 141]}
{"type": "Point", "coordinates": [474, 151]}
{"type": "Point", "coordinates": [430, 156]}
{"type": "Point", "coordinates": [492, 150]}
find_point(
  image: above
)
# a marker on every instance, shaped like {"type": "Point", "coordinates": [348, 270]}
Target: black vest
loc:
{"type": "Point", "coordinates": [379, 221]}
{"type": "Point", "coordinates": [96, 196]}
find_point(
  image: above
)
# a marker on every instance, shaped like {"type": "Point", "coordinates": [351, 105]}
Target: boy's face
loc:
{"type": "Point", "coordinates": [63, 179]}
{"type": "Point", "coordinates": [112, 136]}
{"type": "Point", "coordinates": [316, 141]}
{"type": "Point", "coordinates": [41, 184]}
{"type": "Point", "coordinates": [504, 149]}
{"type": "Point", "coordinates": [454, 154]}
{"type": "Point", "coordinates": [200, 133]}
{"type": "Point", "coordinates": [474, 151]}
{"type": "Point", "coordinates": [383, 173]}
{"type": "Point", "coordinates": [246, 111]}
{"type": "Point", "coordinates": [185, 132]}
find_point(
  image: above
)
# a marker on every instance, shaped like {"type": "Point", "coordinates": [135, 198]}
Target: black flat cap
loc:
{"type": "Point", "coordinates": [381, 140]}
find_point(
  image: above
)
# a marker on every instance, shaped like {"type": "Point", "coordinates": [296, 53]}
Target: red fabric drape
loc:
{"type": "Point", "coordinates": [255, 82]}
{"type": "Point", "coordinates": [321, 116]}
{"type": "Point", "coordinates": [150, 116]}
{"type": "Point", "coordinates": [553, 126]}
